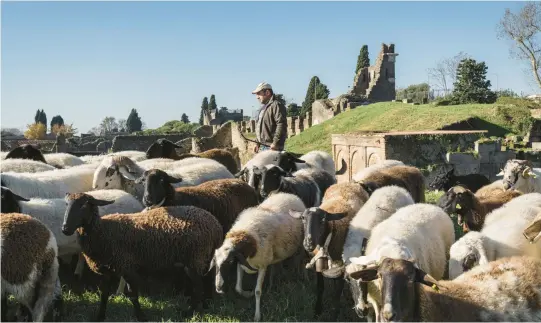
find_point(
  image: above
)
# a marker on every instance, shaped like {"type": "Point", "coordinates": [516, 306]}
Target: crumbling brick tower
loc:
{"type": "Point", "coordinates": [377, 82]}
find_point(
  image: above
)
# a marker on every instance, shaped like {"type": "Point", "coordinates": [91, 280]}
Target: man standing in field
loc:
{"type": "Point", "coordinates": [271, 122]}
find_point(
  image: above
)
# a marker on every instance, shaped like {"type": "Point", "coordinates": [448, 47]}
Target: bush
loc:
{"type": "Point", "coordinates": [519, 102]}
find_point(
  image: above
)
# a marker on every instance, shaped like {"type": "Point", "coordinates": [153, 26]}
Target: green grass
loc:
{"type": "Point", "coordinates": [291, 298]}
{"type": "Point", "coordinates": [498, 119]}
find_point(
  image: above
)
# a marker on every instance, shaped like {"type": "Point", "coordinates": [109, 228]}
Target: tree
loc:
{"type": "Point", "coordinates": [107, 125]}
{"type": "Point", "coordinates": [56, 120]}
{"type": "Point", "coordinates": [184, 118]}
{"type": "Point", "coordinates": [67, 130]}
{"type": "Point", "coordinates": [316, 91]}
{"type": "Point", "coordinates": [133, 123]}
{"type": "Point", "coordinates": [444, 74]}
{"type": "Point", "coordinates": [37, 116]}
{"type": "Point", "coordinates": [212, 103]}
{"type": "Point", "coordinates": [280, 98]}
{"type": "Point", "coordinates": [35, 131]}
{"type": "Point", "coordinates": [416, 92]}
{"type": "Point", "coordinates": [204, 107]}
{"type": "Point", "coordinates": [293, 110]}
{"type": "Point", "coordinates": [471, 85]}
{"type": "Point", "coordinates": [122, 125]}
{"type": "Point", "coordinates": [524, 29]}
{"type": "Point", "coordinates": [363, 60]}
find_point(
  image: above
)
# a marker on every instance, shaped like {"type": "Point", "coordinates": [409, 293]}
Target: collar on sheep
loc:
{"type": "Point", "coordinates": [335, 267]}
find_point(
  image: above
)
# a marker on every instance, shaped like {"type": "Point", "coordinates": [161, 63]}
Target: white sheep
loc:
{"type": "Point", "coordinates": [50, 184]}
{"type": "Point", "coordinates": [521, 176]}
{"type": "Point", "coordinates": [501, 237]}
{"type": "Point", "coordinates": [3, 154]}
{"type": "Point", "coordinates": [383, 203]}
{"type": "Point", "coordinates": [506, 290]}
{"type": "Point", "coordinates": [363, 173]}
{"type": "Point", "coordinates": [63, 160]}
{"type": "Point", "coordinates": [134, 155]}
{"type": "Point", "coordinates": [120, 172]}
{"type": "Point", "coordinates": [261, 236]}
{"type": "Point", "coordinates": [29, 263]}
{"type": "Point", "coordinates": [421, 233]}
{"type": "Point", "coordinates": [24, 166]}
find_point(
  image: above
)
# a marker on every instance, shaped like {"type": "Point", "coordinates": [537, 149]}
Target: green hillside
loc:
{"type": "Point", "coordinates": [499, 119]}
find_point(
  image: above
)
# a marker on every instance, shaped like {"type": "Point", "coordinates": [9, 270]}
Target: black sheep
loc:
{"type": "Point", "coordinates": [471, 181]}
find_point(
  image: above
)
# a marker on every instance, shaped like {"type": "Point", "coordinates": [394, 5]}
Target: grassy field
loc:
{"type": "Point", "coordinates": [499, 119]}
{"type": "Point", "coordinates": [291, 298]}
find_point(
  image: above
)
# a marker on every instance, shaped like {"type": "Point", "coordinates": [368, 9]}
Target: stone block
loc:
{"type": "Point", "coordinates": [536, 145]}
{"type": "Point", "coordinates": [407, 100]}
{"type": "Point", "coordinates": [203, 131]}
{"type": "Point", "coordinates": [486, 150]}
{"type": "Point", "coordinates": [461, 158]}
{"type": "Point", "coordinates": [252, 125]}
{"type": "Point", "coordinates": [501, 157]}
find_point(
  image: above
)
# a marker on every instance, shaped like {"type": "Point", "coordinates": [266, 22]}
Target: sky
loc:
{"type": "Point", "coordinates": [88, 60]}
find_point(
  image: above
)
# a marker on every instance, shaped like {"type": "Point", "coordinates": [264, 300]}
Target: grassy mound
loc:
{"type": "Point", "coordinates": [499, 119]}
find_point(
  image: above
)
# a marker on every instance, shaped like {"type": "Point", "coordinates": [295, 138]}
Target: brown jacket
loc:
{"type": "Point", "coordinates": [274, 124]}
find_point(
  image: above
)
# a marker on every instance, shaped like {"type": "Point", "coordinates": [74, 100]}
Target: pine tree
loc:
{"type": "Point", "coordinates": [204, 107]}
{"type": "Point", "coordinates": [212, 103]}
{"type": "Point", "coordinates": [471, 85]}
{"type": "Point", "coordinates": [43, 118]}
{"type": "Point", "coordinates": [57, 120]}
{"type": "Point", "coordinates": [37, 116]}
{"type": "Point", "coordinates": [184, 118]}
{"type": "Point", "coordinates": [363, 60]}
{"type": "Point", "coordinates": [316, 91]}
{"type": "Point", "coordinates": [293, 110]}
{"type": "Point", "coordinates": [134, 123]}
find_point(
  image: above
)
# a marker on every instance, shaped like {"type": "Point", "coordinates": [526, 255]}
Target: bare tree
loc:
{"type": "Point", "coordinates": [524, 29]}
{"type": "Point", "coordinates": [444, 74]}
{"type": "Point", "coordinates": [107, 125]}
{"type": "Point", "coordinates": [122, 124]}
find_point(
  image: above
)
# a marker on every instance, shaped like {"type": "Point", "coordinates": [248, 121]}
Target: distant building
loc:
{"type": "Point", "coordinates": [217, 117]}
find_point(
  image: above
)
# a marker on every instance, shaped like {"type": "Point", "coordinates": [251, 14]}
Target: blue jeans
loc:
{"type": "Point", "coordinates": [263, 148]}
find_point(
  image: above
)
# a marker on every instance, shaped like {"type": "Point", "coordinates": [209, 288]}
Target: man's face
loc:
{"type": "Point", "coordinates": [263, 96]}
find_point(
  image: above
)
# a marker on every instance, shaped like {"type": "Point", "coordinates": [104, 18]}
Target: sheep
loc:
{"type": "Point", "coordinates": [134, 155]}
{"type": "Point", "coordinates": [262, 235]}
{"type": "Point", "coordinates": [135, 245]}
{"type": "Point", "coordinates": [29, 265]}
{"type": "Point", "coordinates": [26, 152]}
{"type": "Point", "coordinates": [314, 159]}
{"type": "Point", "coordinates": [163, 148]}
{"type": "Point", "coordinates": [506, 290]}
{"type": "Point", "coordinates": [63, 160]}
{"type": "Point", "coordinates": [50, 184]}
{"type": "Point", "coordinates": [360, 175]}
{"type": "Point", "coordinates": [407, 177]}
{"type": "Point", "coordinates": [223, 198]}
{"type": "Point", "coordinates": [500, 238]}
{"type": "Point", "coordinates": [90, 159]}
{"type": "Point", "coordinates": [119, 172]}
{"type": "Point", "coordinates": [381, 205]}
{"type": "Point", "coordinates": [421, 233]}
{"type": "Point", "coordinates": [24, 166]}
{"type": "Point", "coordinates": [494, 188]}
{"type": "Point", "coordinates": [3, 155]}
{"type": "Point", "coordinates": [445, 181]}
{"type": "Point", "coordinates": [520, 175]}
{"type": "Point", "coordinates": [51, 213]}
{"type": "Point", "coordinates": [309, 184]}
{"type": "Point", "coordinates": [471, 211]}
{"type": "Point", "coordinates": [325, 230]}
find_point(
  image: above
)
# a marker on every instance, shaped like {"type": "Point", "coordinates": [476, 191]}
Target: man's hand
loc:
{"type": "Point", "coordinates": [256, 149]}
{"type": "Point", "coordinates": [273, 147]}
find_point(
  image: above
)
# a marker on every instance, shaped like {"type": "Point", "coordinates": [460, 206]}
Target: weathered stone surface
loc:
{"type": "Point", "coordinates": [502, 156]}
{"type": "Point", "coordinates": [536, 145]}
{"type": "Point", "coordinates": [141, 143]}
{"type": "Point", "coordinates": [203, 131]}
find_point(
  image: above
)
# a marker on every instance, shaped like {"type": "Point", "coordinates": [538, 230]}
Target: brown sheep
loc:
{"type": "Point", "coordinates": [29, 266]}
{"type": "Point", "coordinates": [470, 209]}
{"type": "Point", "coordinates": [223, 198]}
{"type": "Point", "coordinates": [407, 177]}
{"type": "Point", "coordinates": [136, 245]}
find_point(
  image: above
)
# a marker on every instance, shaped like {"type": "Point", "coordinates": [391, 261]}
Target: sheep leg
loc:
{"type": "Point", "coordinates": [197, 292]}
{"type": "Point", "coordinates": [319, 294]}
{"type": "Point", "coordinates": [80, 266]}
{"type": "Point", "coordinates": [121, 286]}
{"type": "Point", "coordinates": [133, 295]}
{"type": "Point", "coordinates": [104, 298]}
{"type": "Point", "coordinates": [44, 292]}
{"type": "Point", "coordinates": [258, 287]}
{"type": "Point", "coordinates": [4, 308]}
{"type": "Point", "coordinates": [238, 286]}
{"type": "Point", "coordinates": [338, 284]}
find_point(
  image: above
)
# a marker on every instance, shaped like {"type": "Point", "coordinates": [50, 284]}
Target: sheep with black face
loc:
{"type": "Point", "coordinates": [26, 152]}
{"type": "Point", "coordinates": [471, 211]}
{"type": "Point", "coordinates": [308, 184]}
{"type": "Point", "coordinates": [445, 181]}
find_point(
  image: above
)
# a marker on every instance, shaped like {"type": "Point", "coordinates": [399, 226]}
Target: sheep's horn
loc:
{"type": "Point", "coordinates": [526, 172]}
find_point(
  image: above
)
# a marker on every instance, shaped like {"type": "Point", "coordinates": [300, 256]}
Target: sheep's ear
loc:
{"type": "Point", "coordinates": [212, 263]}
{"type": "Point", "coordinates": [172, 179]}
{"type": "Point", "coordinates": [101, 202]}
{"type": "Point", "coordinates": [19, 198]}
{"type": "Point", "coordinates": [296, 214]}
{"type": "Point", "coordinates": [335, 216]}
{"type": "Point", "coordinates": [126, 173]}
{"type": "Point", "coordinates": [500, 173]}
{"type": "Point", "coordinates": [243, 261]}
{"type": "Point", "coordinates": [369, 187]}
{"type": "Point", "coordinates": [111, 170]}
{"type": "Point", "coordinates": [286, 154]}
{"type": "Point", "coordinates": [365, 275]}
{"type": "Point", "coordinates": [425, 279]}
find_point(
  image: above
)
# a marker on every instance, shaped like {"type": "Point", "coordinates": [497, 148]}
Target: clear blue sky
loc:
{"type": "Point", "coordinates": [88, 60]}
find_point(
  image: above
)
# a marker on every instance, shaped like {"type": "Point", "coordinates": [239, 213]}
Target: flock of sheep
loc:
{"type": "Point", "coordinates": [207, 220]}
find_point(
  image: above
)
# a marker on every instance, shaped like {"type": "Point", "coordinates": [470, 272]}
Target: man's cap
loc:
{"type": "Point", "coordinates": [262, 86]}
